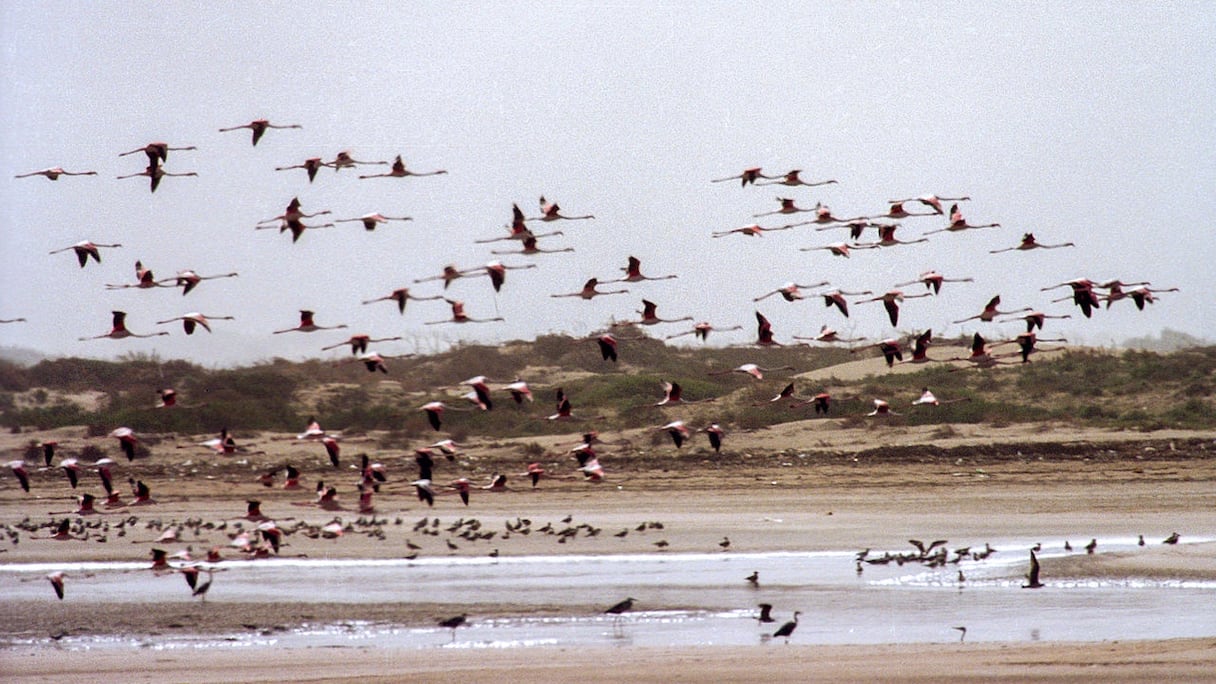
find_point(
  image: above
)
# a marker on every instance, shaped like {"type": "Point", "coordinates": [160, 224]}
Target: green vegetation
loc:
{"type": "Point", "coordinates": [1137, 390]}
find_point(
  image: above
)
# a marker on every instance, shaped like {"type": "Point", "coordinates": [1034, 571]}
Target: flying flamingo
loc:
{"type": "Point", "coordinates": [519, 391]}
{"type": "Point", "coordinates": [188, 280]}
{"type": "Point", "coordinates": [882, 408]}
{"type": "Point", "coordinates": [958, 223]}
{"type": "Point", "coordinates": [990, 311]}
{"type": "Point", "coordinates": [259, 128]}
{"type": "Point", "coordinates": [980, 354]}
{"type": "Point", "coordinates": [451, 273]}
{"type": "Point", "coordinates": [13, 320]}
{"type": "Point", "coordinates": [920, 347]}
{"type": "Point", "coordinates": [1034, 319]}
{"type": "Point", "coordinates": [56, 579]}
{"type": "Point", "coordinates": [790, 292]}
{"type": "Point", "coordinates": [933, 281]}
{"type": "Point", "coordinates": [358, 343]}
{"type": "Point", "coordinates": [836, 298]}
{"type": "Point", "coordinates": [155, 173]}
{"type": "Point", "coordinates": [343, 160]}
{"type": "Point", "coordinates": [633, 273]}
{"type": "Point", "coordinates": [1114, 290]}
{"type": "Point", "coordinates": [891, 300]}
{"type": "Point", "coordinates": [459, 316]}
{"type": "Point", "coordinates": [886, 238]}
{"type": "Point", "coordinates": [297, 228]}
{"type": "Point", "coordinates": [549, 211]}
{"type": "Point", "coordinates": [293, 212]}
{"type": "Point", "coordinates": [530, 248]}
{"type": "Point", "coordinates": [434, 412]}
{"type": "Point", "coordinates": [1028, 243]}
{"type": "Point", "coordinates": [1144, 295]}
{"type": "Point", "coordinates": [715, 434]}
{"type": "Point", "coordinates": [840, 249]}
{"type": "Point", "coordinates": [891, 348]}
{"type": "Point", "coordinates": [679, 433]}
{"type": "Point", "coordinates": [55, 172]}
{"type": "Point", "coordinates": [401, 295]}
{"type": "Point", "coordinates": [498, 272]}
{"type": "Point", "coordinates": [787, 207]}
{"type": "Point", "coordinates": [823, 217]}
{"type": "Point", "coordinates": [764, 332]}
{"type": "Point", "coordinates": [18, 470]}
{"type": "Point", "coordinates": [143, 279]}
{"type": "Point", "coordinates": [307, 325]}
{"type": "Point", "coordinates": [126, 441]}
{"type": "Point", "coordinates": [85, 249]}
{"type": "Point", "coordinates": [792, 179]}
{"type": "Point", "coordinates": [311, 165]}
{"type": "Point", "coordinates": [481, 391]}
{"type": "Point", "coordinates": [1026, 344]}
{"type": "Point", "coordinates": [589, 290]}
{"type": "Point", "coordinates": [673, 393]}
{"type": "Point", "coordinates": [932, 201]}
{"type": "Point", "coordinates": [751, 369]}
{"type": "Point", "coordinates": [370, 221]}
{"type": "Point", "coordinates": [702, 330]}
{"type": "Point", "coordinates": [927, 398]}
{"type": "Point", "coordinates": [896, 211]}
{"type": "Point", "coordinates": [118, 329]}
{"type": "Point", "coordinates": [751, 230]}
{"type": "Point", "coordinates": [193, 319]}
{"type": "Point", "coordinates": [750, 175]}
{"type": "Point", "coordinates": [827, 334]}
{"type": "Point", "coordinates": [157, 152]}
{"type": "Point", "coordinates": [399, 171]}
{"type": "Point", "coordinates": [650, 316]}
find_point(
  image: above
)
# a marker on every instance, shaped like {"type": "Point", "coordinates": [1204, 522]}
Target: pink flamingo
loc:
{"type": "Point", "coordinates": [650, 316]}
{"type": "Point", "coordinates": [1034, 319]}
{"type": "Point", "coordinates": [990, 311]}
{"type": "Point", "coordinates": [143, 279]}
{"type": "Point", "coordinates": [933, 281]}
{"type": "Point", "coordinates": [358, 343]}
{"type": "Point", "coordinates": [787, 207]}
{"type": "Point", "coordinates": [823, 216]}
{"type": "Point", "coordinates": [434, 412]}
{"type": "Point", "coordinates": [891, 348]}
{"type": "Point", "coordinates": [891, 300]}
{"type": "Point", "coordinates": [56, 578]}
{"type": "Point", "coordinates": [297, 228]}
{"type": "Point", "coordinates": [920, 347]}
{"type": "Point", "coordinates": [679, 433]}
{"type": "Point", "coordinates": [752, 230]}
{"type": "Point", "coordinates": [17, 468]}
{"type": "Point", "coordinates": [157, 152]}
{"type": "Point", "coordinates": [750, 175]}
{"type": "Point", "coordinates": [401, 295]}
{"type": "Point", "coordinates": [498, 272]}
{"type": "Point", "coordinates": [896, 211]}
{"type": "Point", "coordinates": [530, 248]}
{"type": "Point", "coordinates": [259, 127]}
{"type": "Point", "coordinates": [1028, 243]}
{"type": "Point", "coordinates": [549, 211]}
{"type": "Point", "coordinates": [459, 316]}
{"type": "Point", "coordinates": [188, 280]}
{"type": "Point", "coordinates": [790, 292]}
{"type": "Point", "coordinates": [980, 355]}
{"type": "Point", "coordinates": [311, 165]}
{"type": "Point", "coordinates": [702, 330]}
{"type": "Point", "coordinates": [13, 320]}
{"type": "Point", "coordinates": [927, 398]}
{"type": "Point", "coordinates": [958, 223]}
{"type": "Point", "coordinates": [886, 238]}
{"type": "Point", "coordinates": [751, 369]}
{"type": "Point", "coordinates": [126, 441]}
{"type": "Point", "coordinates": [519, 391]}
{"type": "Point", "coordinates": [836, 298]}
{"type": "Point", "coordinates": [882, 408]}
{"type": "Point", "coordinates": [481, 391]}
{"type": "Point", "coordinates": [1026, 344]}
{"type": "Point", "coordinates": [307, 324]}
{"type": "Point", "coordinates": [451, 273]}
{"type": "Point", "coordinates": [590, 290]}
{"type": "Point", "coordinates": [673, 393]}
{"type": "Point", "coordinates": [932, 201]}
{"type": "Point", "coordinates": [764, 332]}
{"type": "Point", "coordinates": [827, 334]}
{"type": "Point", "coordinates": [399, 171]}
{"type": "Point", "coordinates": [1144, 295]}
{"type": "Point", "coordinates": [371, 360]}
{"type": "Point", "coordinates": [155, 173]}
{"type": "Point", "coordinates": [343, 160]}
{"type": "Point", "coordinates": [55, 172]}
{"type": "Point", "coordinates": [85, 249]}
{"type": "Point", "coordinates": [370, 221]}
{"type": "Point", "coordinates": [715, 434]}
{"type": "Point", "coordinates": [195, 319]}
{"type": "Point", "coordinates": [633, 273]}
{"type": "Point", "coordinates": [840, 249]}
{"type": "Point", "coordinates": [118, 329]}
{"type": "Point", "coordinates": [293, 212]}
{"type": "Point", "coordinates": [792, 179]}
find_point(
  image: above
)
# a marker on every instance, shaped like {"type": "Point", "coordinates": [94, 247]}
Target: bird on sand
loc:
{"type": "Point", "coordinates": [453, 622]}
{"type": "Point", "coordinates": [788, 628]}
{"type": "Point", "coordinates": [1033, 576]}
{"type": "Point", "coordinates": [619, 608]}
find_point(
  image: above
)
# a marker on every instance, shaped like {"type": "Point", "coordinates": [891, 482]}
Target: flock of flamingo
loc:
{"type": "Point", "coordinates": [944, 212]}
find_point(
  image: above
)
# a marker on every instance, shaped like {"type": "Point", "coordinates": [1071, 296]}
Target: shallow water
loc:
{"type": "Point", "coordinates": [683, 599]}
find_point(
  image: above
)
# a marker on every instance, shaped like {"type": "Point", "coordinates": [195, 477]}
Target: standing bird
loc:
{"type": "Point", "coordinates": [399, 171]}
{"type": "Point", "coordinates": [792, 179]}
{"type": "Point", "coordinates": [259, 128]}
{"type": "Point", "coordinates": [401, 295]}
{"type": "Point", "coordinates": [620, 608]}
{"type": "Point", "coordinates": [370, 221]}
{"type": "Point", "coordinates": [549, 211]}
{"type": "Point", "coordinates": [118, 329]}
{"type": "Point", "coordinates": [633, 273]}
{"type": "Point", "coordinates": [307, 325]}
{"type": "Point", "coordinates": [188, 280]}
{"type": "Point", "coordinates": [154, 173]}
{"type": "Point", "coordinates": [1028, 243]}
{"type": "Point", "coordinates": [750, 175]}
{"type": "Point", "coordinates": [1033, 575]}
{"type": "Point", "coordinates": [85, 249]}
{"type": "Point", "coordinates": [195, 319]}
{"type": "Point", "coordinates": [453, 622]}
{"type": "Point", "coordinates": [55, 172]}
{"type": "Point", "coordinates": [788, 628]}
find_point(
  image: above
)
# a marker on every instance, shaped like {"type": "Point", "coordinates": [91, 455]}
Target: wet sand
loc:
{"type": "Point", "coordinates": [805, 487]}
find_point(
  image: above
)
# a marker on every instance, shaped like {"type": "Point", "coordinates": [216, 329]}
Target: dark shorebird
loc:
{"type": "Point", "coordinates": [1089, 548]}
{"type": "Point", "coordinates": [788, 628]}
{"type": "Point", "coordinates": [1172, 539]}
{"type": "Point", "coordinates": [453, 622]}
{"type": "Point", "coordinates": [754, 579]}
{"type": "Point", "coordinates": [766, 613]}
{"type": "Point", "coordinates": [620, 608]}
{"type": "Point", "coordinates": [1033, 576]}
{"type": "Point", "coordinates": [962, 633]}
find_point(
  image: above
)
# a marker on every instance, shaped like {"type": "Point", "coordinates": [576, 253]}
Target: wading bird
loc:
{"type": "Point", "coordinates": [55, 172]}
{"type": "Point", "coordinates": [343, 160]}
{"type": "Point", "coordinates": [788, 628]}
{"type": "Point", "coordinates": [530, 248]}
{"type": "Point", "coordinates": [126, 441]}
{"type": "Point", "coordinates": [886, 238]}
{"type": "Point", "coordinates": [56, 578]}
{"type": "Point", "coordinates": [752, 230]}
{"type": "Point", "coordinates": [1034, 319]}
{"type": "Point", "coordinates": [836, 298]}
{"type": "Point", "coordinates": [840, 249]}
{"type": "Point", "coordinates": [297, 228]}
{"type": "Point", "coordinates": [259, 128]}
{"type": "Point", "coordinates": [674, 394]}
{"type": "Point", "coordinates": [827, 334]}
{"type": "Point", "coordinates": [307, 324]}
{"type": "Point", "coordinates": [195, 319]}
{"type": "Point", "coordinates": [118, 329]}
{"type": "Point", "coordinates": [787, 207]}
{"type": "Point", "coordinates": [650, 316]}
{"type": "Point", "coordinates": [764, 332]}
{"type": "Point", "coordinates": [143, 279]}
{"type": "Point", "coordinates": [715, 434]}
{"type": "Point", "coordinates": [293, 212]}
{"type": "Point", "coordinates": [399, 171]}
{"type": "Point", "coordinates": [453, 622]}
{"type": "Point", "coordinates": [451, 273]}
{"type": "Point", "coordinates": [896, 211]}
{"type": "Point", "coordinates": [85, 249]}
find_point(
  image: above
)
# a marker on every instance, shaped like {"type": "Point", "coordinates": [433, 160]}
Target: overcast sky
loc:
{"type": "Point", "coordinates": [1091, 123]}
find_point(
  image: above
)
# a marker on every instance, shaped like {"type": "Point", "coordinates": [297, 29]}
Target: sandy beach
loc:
{"type": "Point", "coordinates": [803, 486]}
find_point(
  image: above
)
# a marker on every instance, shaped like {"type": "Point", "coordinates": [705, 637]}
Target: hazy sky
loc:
{"type": "Point", "coordinates": [1091, 123]}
